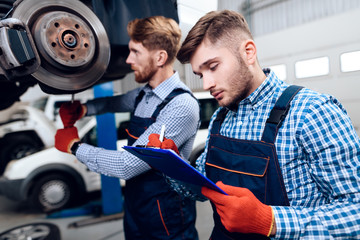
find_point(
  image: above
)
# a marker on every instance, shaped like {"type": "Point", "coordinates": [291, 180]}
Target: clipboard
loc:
{"type": "Point", "coordinates": [172, 165]}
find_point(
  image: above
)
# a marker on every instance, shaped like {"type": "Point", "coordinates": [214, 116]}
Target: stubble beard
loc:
{"type": "Point", "coordinates": [147, 74]}
{"type": "Point", "coordinates": [240, 84]}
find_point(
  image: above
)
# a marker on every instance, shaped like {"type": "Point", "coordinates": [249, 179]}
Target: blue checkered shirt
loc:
{"type": "Point", "coordinates": [319, 154]}
{"type": "Point", "coordinates": [180, 116]}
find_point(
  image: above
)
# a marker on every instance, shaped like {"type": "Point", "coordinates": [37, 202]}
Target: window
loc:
{"type": "Point", "coordinates": [350, 61]}
{"type": "Point", "coordinates": [279, 70]}
{"type": "Point", "coordinates": [312, 67]}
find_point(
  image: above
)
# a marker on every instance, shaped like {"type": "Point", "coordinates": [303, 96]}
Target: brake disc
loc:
{"type": "Point", "coordinates": [71, 41]}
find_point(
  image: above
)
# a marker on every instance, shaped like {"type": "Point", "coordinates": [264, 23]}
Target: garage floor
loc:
{"type": "Point", "coordinates": [15, 214]}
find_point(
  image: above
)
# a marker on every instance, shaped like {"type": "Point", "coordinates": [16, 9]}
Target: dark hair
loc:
{"type": "Point", "coordinates": [228, 26]}
{"type": "Point", "coordinates": [156, 33]}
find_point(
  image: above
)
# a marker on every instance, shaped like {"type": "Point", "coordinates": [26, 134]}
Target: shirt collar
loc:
{"type": "Point", "coordinates": [164, 88]}
{"type": "Point", "coordinates": [263, 91]}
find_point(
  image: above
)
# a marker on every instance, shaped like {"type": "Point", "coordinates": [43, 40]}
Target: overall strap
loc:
{"type": "Point", "coordinates": [219, 120]}
{"type": "Point", "coordinates": [278, 113]}
{"type": "Point", "coordinates": [174, 93]}
{"type": "Point", "coordinates": [138, 98]}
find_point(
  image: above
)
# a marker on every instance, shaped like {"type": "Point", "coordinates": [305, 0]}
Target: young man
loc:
{"type": "Point", "coordinates": [152, 209]}
{"type": "Point", "coordinates": [287, 157]}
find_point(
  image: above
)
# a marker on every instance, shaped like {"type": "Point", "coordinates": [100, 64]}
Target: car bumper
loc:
{"type": "Point", "coordinates": [11, 189]}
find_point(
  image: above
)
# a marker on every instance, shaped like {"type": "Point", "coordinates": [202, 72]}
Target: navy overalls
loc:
{"type": "Point", "coordinates": [249, 164]}
{"type": "Point", "coordinates": [152, 209]}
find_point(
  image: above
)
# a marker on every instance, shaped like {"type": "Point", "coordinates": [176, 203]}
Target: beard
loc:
{"type": "Point", "coordinates": [147, 74]}
{"type": "Point", "coordinates": [240, 84]}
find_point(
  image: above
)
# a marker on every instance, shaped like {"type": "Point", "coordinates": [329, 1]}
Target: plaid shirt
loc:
{"type": "Point", "coordinates": [180, 116]}
{"type": "Point", "coordinates": [319, 154]}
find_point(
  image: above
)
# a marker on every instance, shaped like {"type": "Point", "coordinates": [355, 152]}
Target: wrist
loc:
{"type": "Point", "coordinates": [74, 146]}
{"type": "Point", "coordinates": [263, 220]}
{"type": "Point", "coordinates": [272, 231]}
{"type": "Point", "coordinates": [84, 110]}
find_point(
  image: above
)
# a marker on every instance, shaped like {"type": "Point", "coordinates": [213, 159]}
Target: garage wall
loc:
{"type": "Point", "coordinates": [266, 16]}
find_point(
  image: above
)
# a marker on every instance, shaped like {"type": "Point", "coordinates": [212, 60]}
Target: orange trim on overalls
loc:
{"type": "Point", "coordinates": [132, 136]}
{"type": "Point", "coordinates": [230, 170]}
{"type": "Point", "coordinates": [162, 219]}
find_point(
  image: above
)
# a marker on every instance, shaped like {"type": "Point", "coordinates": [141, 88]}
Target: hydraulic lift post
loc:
{"type": "Point", "coordinates": [111, 195]}
{"type": "Point", "coordinates": [107, 136]}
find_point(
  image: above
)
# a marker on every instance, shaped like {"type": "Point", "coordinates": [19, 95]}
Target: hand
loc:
{"type": "Point", "coordinates": [65, 138]}
{"type": "Point", "coordinates": [70, 112]}
{"type": "Point", "coordinates": [240, 211]}
{"type": "Point", "coordinates": [166, 144]}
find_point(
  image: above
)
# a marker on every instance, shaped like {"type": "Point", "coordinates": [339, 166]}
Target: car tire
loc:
{"type": "Point", "coordinates": [53, 192]}
{"type": "Point", "coordinates": [5, 7]}
{"type": "Point", "coordinates": [34, 231]}
{"type": "Point", "coordinates": [15, 147]}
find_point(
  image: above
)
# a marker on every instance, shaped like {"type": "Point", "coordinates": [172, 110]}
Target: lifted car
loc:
{"type": "Point", "coordinates": [67, 46]}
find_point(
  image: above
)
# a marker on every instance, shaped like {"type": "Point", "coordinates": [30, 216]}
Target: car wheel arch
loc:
{"type": "Point", "coordinates": [29, 133]}
{"type": "Point", "coordinates": [42, 171]}
{"type": "Point", "coordinates": [16, 145]}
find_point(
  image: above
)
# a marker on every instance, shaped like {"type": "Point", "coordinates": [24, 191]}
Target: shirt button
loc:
{"type": "Point", "coordinates": [239, 122]}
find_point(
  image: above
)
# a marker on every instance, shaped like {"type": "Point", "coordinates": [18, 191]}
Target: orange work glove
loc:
{"type": "Point", "coordinates": [240, 211]}
{"type": "Point", "coordinates": [65, 138]}
{"type": "Point", "coordinates": [166, 144]}
{"type": "Point", "coordinates": [70, 112]}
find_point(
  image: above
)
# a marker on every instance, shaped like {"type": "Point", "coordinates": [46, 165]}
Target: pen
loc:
{"type": "Point", "coordinates": [162, 133]}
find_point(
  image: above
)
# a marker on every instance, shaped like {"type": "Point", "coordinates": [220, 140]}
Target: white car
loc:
{"type": "Point", "coordinates": [29, 128]}
{"type": "Point", "coordinates": [27, 131]}
{"type": "Point", "coordinates": [51, 180]}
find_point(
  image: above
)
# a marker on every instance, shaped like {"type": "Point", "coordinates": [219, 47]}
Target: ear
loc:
{"type": "Point", "coordinates": [250, 51]}
{"type": "Point", "coordinates": [161, 58]}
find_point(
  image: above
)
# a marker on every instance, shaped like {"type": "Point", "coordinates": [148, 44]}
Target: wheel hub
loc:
{"type": "Point", "coordinates": [64, 40]}
{"type": "Point", "coordinates": [71, 41]}
{"type": "Point", "coordinates": [54, 194]}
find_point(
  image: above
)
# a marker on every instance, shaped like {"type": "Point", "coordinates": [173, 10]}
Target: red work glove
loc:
{"type": "Point", "coordinates": [65, 138]}
{"type": "Point", "coordinates": [166, 144]}
{"type": "Point", "coordinates": [240, 211]}
{"type": "Point", "coordinates": [70, 112]}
